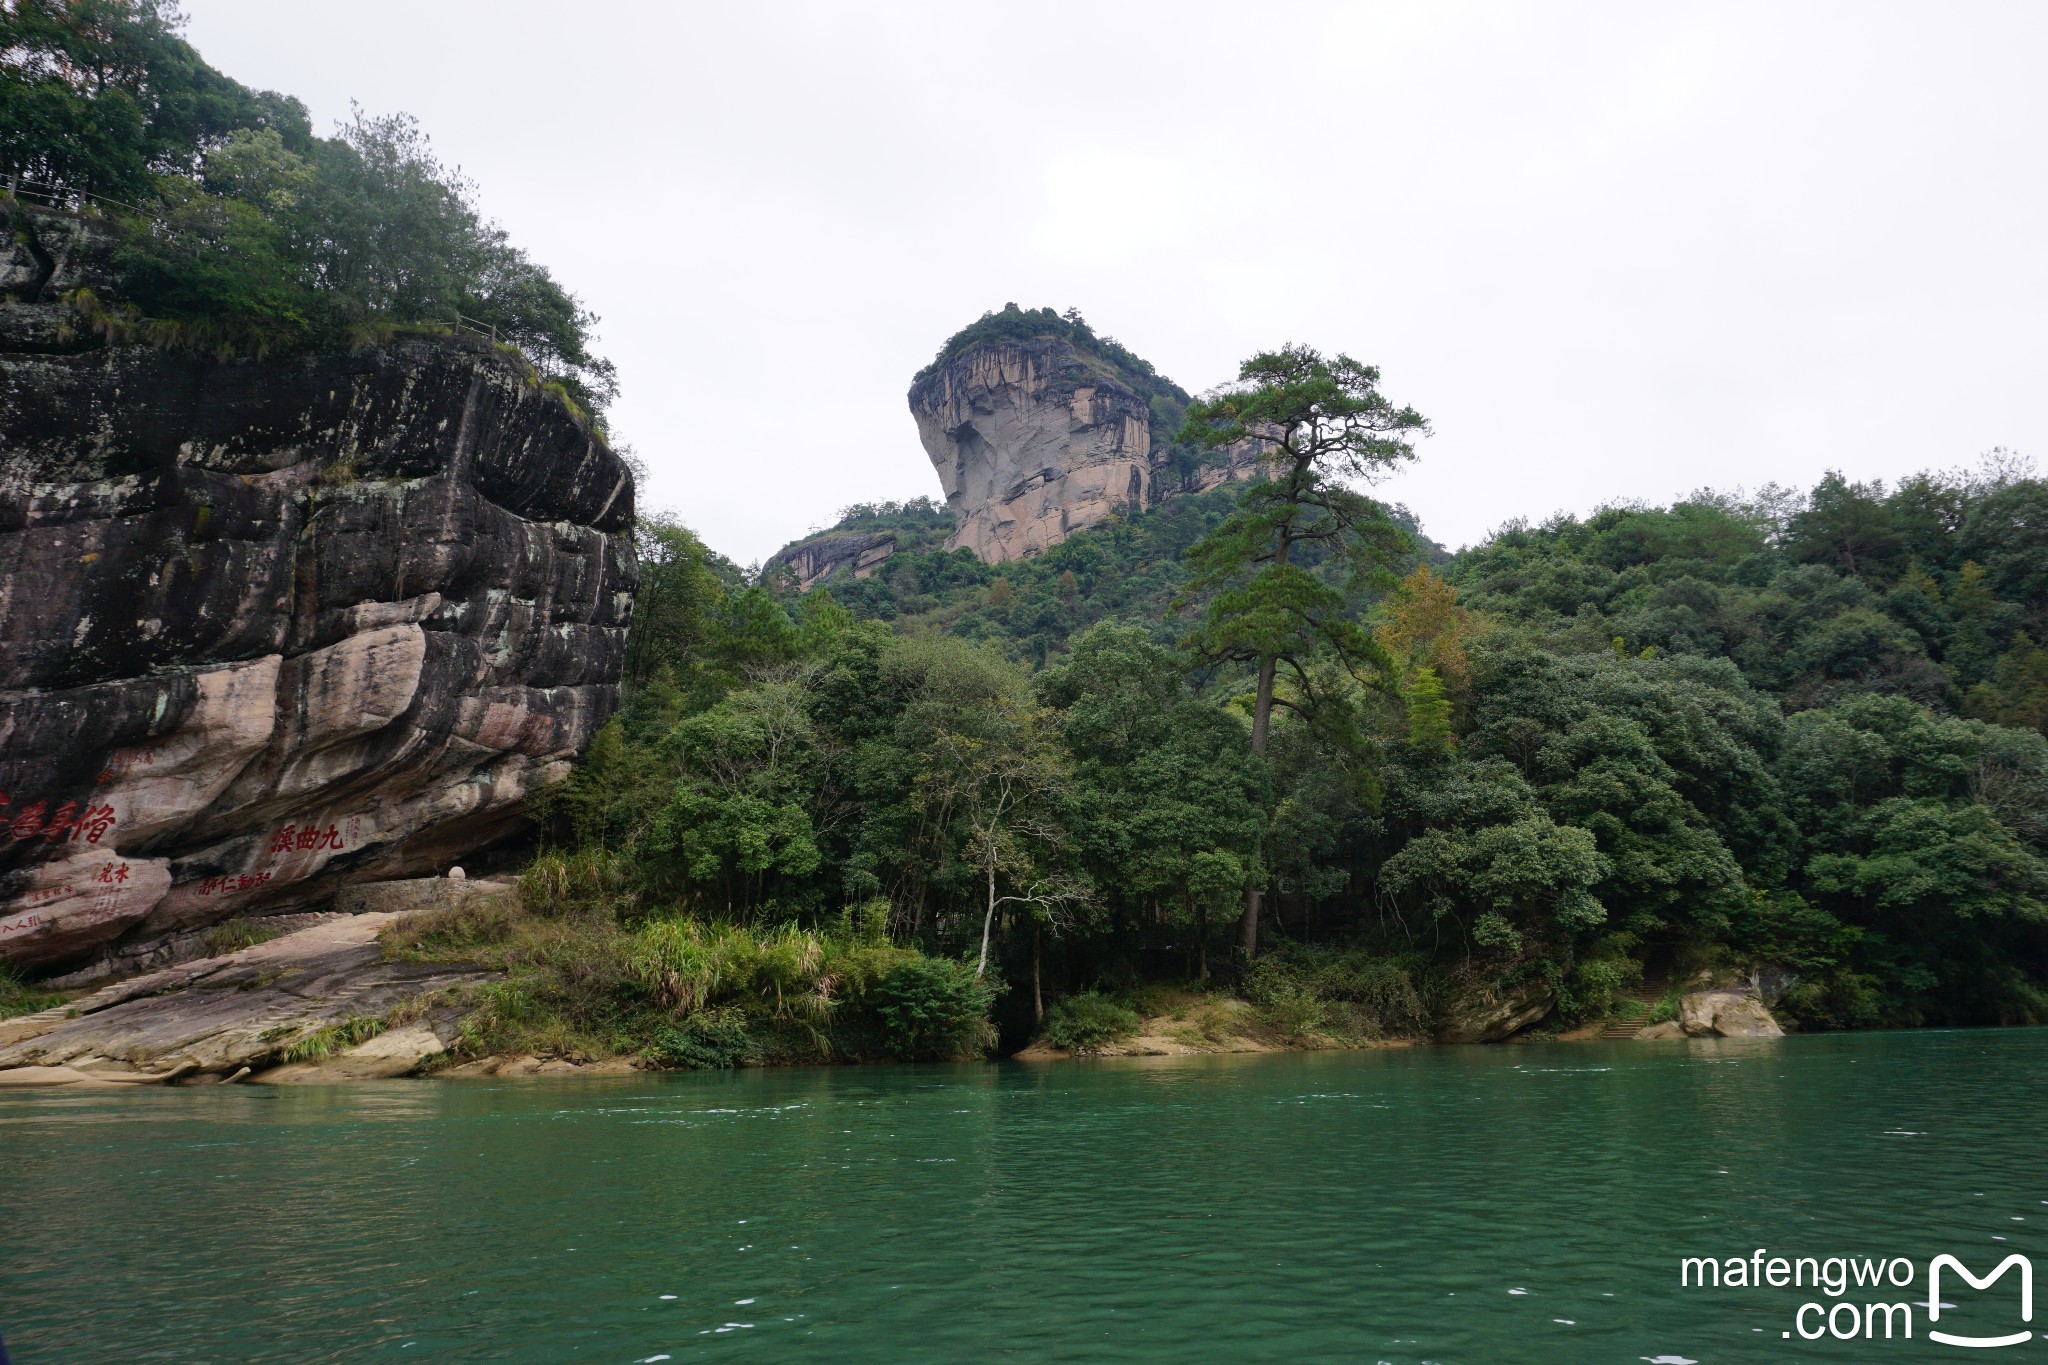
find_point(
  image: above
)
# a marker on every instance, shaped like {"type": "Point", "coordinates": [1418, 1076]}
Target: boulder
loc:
{"type": "Point", "coordinates": [1670, 1030]}
{"type": "Point", "coordinates": [1729, 1012]}
{"type": "Point", "coordinates": [1493, 1016]}
{"type": "Point", "coordinates": [273, 626]}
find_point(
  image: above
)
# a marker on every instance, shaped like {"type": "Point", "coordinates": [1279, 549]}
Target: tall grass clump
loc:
{"type": "Point", "coordinates": [590, 973]}
{"type": "Point", "coordinates": [333, 1038]}
{"type": "Point", "coordinates": [235, 934]}
{"type": "Point", "coordinates": [18, 997]}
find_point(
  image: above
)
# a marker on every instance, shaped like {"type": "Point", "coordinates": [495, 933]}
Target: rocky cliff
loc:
{"type": "Point", "coordinates": [1039, 429]}
{"type": "Point", "coordinates": [853, 554]}
{"type": "Point", "coordinates": [865, 536]}
{"type": "Point", "coordinates": [271, 626]}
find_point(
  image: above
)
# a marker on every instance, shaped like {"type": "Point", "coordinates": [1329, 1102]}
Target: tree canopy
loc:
{"type": "Point", "coordinates": [240, 227]}
{"type": "Point", "coordinates": [1324, 425]}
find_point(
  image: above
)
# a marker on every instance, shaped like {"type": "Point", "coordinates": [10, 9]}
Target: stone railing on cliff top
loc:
{"type": "Point", "coordinates": [273, 626]}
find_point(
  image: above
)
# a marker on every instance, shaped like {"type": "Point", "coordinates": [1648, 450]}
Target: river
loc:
{"type": "Point", "coordinates": [1524, 1203]}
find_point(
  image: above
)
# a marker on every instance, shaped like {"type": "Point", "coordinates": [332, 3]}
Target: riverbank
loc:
{"type": "Point", "coordinates": [452, 979]}
{"type": "Point", "coordinates": [461, 978]}
{"type": "Point", "coordinates": [329, 991]}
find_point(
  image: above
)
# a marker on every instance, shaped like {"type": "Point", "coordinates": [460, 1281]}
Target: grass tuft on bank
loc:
{"type": "Point", "coordinates": [18, 997]}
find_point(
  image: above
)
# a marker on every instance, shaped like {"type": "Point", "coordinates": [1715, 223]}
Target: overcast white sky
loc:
{"type": "Point", "coordinates": [1611, 250]}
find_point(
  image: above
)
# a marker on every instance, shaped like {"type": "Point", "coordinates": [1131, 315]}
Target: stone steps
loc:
{"type": "Point", "coordinates": [28, 1025]}
{"type": "Point", "coordinates": [1647, 996]}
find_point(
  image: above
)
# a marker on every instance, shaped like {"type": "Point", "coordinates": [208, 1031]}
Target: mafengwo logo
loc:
{"type": "Point", "coordinates": [1885, 1310]}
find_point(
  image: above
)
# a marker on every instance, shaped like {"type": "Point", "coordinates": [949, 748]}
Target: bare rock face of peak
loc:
{"type": "Point", "coordinates": [270, 627]}
{"type": "Point", "coordinates": [846, 554]}
{"type": "Point", "coordinates": [1032, 444]}
{"type": "Point", "coordinates": [1038, 429]}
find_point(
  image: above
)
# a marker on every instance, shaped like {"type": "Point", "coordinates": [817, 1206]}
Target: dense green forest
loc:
{"type": "Point", "coordinates": [240, 228]}
{"type": "Point", "coordinates": [1788, 732]}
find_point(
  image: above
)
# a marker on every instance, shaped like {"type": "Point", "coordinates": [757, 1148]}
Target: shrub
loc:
{"type": "Point", "coordinates": [1292, 1011]}
{"type": "Point", "coordinates": [589, 880]}
{"type": "Point", "coordinates": [1088, 1022]}
{"type": "Point", "coordinates": [1301, 989]}
{"type": "Point", "coordinates": [684, 964]}
{"type": "Point", "coordinates": [687, 965]}
{"type": "Point", "coordinates": [709, 1040]}
{"type": "Point", "coordinates": [1594, 987]}
{"type": "Point", "coordinates": [579, 982]}
{"type": "Point", "coordinates": [1836, 999]}
{"type": "Point", "coordinates": [469, 930]}
{"type": "Point", "coordinates": [1211, 1022]}
{"type": "Point", "coordinates": [932, 1008]}
{"type": "Point", "coordinates": [535, 1013]}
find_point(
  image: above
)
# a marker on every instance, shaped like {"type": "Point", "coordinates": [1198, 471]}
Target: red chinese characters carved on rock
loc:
{"type": "Point", "coordinates": [111, 874]}
{"type": "Point", "coordinates": [122, 760]}
{"type": "Point", "coordinates": [306, 838]}
{"type": "Point", "coordinates": [241, 881]}
{"type": "Point", "coordinates": [67, 824]}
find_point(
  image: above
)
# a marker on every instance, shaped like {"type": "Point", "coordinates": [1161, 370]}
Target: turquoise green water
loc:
{"type": "Point", "coordinates": [1453, 1204]}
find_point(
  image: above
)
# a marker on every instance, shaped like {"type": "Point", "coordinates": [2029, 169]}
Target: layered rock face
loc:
{"type": "Point", "coordinates": [852, 554]}
{"type": "Point", "coordinates": [241, 1011]}
{"type": "Point", "coordinates": [273, 626]}
{"type": "Point", "coordinates": [1492, 1017]}
{"type": "Point", "coordinates": [1034, 440]}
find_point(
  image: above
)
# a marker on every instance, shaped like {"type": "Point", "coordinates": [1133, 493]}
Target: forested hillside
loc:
{"type": "Point", "coordinates": [1794, 732]}
{"type": "Point", "coordinates": [1130, 569]}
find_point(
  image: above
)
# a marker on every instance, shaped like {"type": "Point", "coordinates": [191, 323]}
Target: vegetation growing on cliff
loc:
{"type": "Point", "coordinates": [242, 229]}
{"type": "Point", "coordinates": [918, 524]}
{"type": "Point", "coordinates": [1125, 568]}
